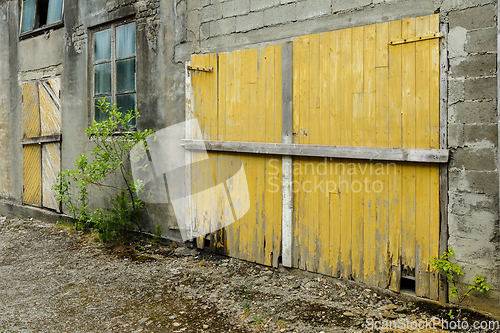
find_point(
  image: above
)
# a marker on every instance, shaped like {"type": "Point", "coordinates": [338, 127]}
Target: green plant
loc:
{"type": "Point", "coordinates": [101, 168]}
{"type": "Point", "coordinates": [452, 271]}
{"type": "Point", "coordinates": [280, 323]}
{"type": "Point", "coordinates": [157, 235]}
{"type": "Point", "coordinates": [247, 300]}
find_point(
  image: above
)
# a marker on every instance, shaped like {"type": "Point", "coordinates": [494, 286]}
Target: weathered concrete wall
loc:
{"type": "Point", "coordinates": [224, 25]}
{"type": "Point", "coordinates": [473, 138]}
{"type": "Point", "coordinates": [65, 51]}
{"type": "Point", "coordinates": [4, 100]}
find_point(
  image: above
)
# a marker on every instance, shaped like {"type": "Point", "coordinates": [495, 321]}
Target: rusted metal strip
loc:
{"type": "Point", "coordinates": [42, 139]}
{"type": "Point", "coordinates": [361, 153]}
{"type": "Point", "coordinates": [201, 69]}
{"type": "Point", "coordinates": [415, 39]}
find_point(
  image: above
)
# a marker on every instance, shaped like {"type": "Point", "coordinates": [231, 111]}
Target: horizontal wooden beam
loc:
{"type": "Point", "coordinates": [362, 153]}
{"type": "Point", "coordinates": [41, 139]}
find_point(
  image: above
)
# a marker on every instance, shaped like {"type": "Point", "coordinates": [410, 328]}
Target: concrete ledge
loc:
{"type": "Point", "coordinates": [12, 210]}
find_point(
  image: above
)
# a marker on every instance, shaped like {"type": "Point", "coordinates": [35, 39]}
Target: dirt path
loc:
{"type": "Point", "coordinates": [53, 279]}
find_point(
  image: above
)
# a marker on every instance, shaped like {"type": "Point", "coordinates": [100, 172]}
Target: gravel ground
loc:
{"type": "Point", "coordinates": [53, 279]}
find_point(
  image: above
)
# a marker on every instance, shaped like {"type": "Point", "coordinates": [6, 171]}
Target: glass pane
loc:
{"type": "Point", "coordinates": [126, 103]}
{"type": "Point", "coordinates": [28, 15]}
{"type": "Point", "coordinates": [125, 76]}
{"type": "Point", "coordinates": [102, 79]}
{"type": "Point", "coordinates": [125, 41]}
{"type": "Point", "coordinates": [99, 116]}
{"type": "Point", "coordinates": [55, 11]}
{"type": "Point", "coordinates": [102, 46]}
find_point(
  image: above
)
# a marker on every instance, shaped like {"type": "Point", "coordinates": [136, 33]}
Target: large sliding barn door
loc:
{"type": "Point", "coordinates": [365, 123]}
{"type": "Point", "coordinates": [371, 86]}
{"type": "Point", "coordinates": [41, 142]}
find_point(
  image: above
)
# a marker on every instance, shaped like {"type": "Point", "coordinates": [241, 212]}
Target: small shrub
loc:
{"type": "Point", "coordinates": [452, 272]}
{"type": "Point", "coordinates": [113, 141]}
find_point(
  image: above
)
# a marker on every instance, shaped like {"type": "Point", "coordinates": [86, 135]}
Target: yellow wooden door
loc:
{"type": "Point", "coordinates": [41, 142]}
{"type": "Point", "coordinates": [240, 100]}
{"type": "Point", "coordinates": [371, 86]}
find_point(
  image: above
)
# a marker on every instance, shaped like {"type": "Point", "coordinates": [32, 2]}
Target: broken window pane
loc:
{"type": "Point", "coordinates": [28, 19]}
{"type": "Point", "coordinates": [102, 79]}
{"type": "Point", "coordinates": [126, 103]}
{"type": "Point", "coordinates": [55, 11]}
{"type": "Point", "coordinates": [125, 76]}
{"type": "Point", "coordinates": [125, 41]}
{"type": "Point", "coordinates": [102, 46]}
{"type": "Point", "coordinates": [100, 116]}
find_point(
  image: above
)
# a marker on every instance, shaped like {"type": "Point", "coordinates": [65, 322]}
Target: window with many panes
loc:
{"type": "Point", "coordinates": [114, 67]}
{"type": "Point", "coordinates": [40, 13]}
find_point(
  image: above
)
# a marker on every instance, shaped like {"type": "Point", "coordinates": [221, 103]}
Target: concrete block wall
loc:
{"type": "Point", "coordinates": [473, 212]}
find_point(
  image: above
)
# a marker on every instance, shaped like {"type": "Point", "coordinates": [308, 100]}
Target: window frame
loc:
{"type": "Point", "coordinates": [113, 61]}
{"type": "Point", "coordinates": [38, 30]}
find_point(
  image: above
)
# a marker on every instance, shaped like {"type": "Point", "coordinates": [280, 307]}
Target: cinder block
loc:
{"type": "Point", "coordinates": [455, 90]}
{"type": "Point", "coordinates": [193, 24]}
{"type": "Point", "coordinates": [223, 27]}
{"type": "Point", "coordinates": [476, 112]}
{"type": "Point", "coordinates": [480, 182]}
{"type": "Point", "coordinates": [474, 18]}
{"type": "Point", "coordinates": [263, 4]}
{"type": "Point", "coordinates": [210, 13]}
{"type": "Point", "coordinates": [483, 40]}
{"type": "Point", "coordinates": [482, 88]}
{"type": "Point", "coordinates": [455, 135]}
{"type": "Point", "coordinates": [205, 31]}
{"type": "Point", "coordinates": [483, 182]}
{"type": "Point", "coordinates": [197, 4]}
{"type": "Point", "coordinates": [312, 8]}
{"type": "Point", "coordinates": [235, 8]}
{"type": "Point", "coordinates": [474, 159]}
{"type": "Point", "coordinates": [476, 226]}
{"type": "Point", "coordinates": [484, 134]}
{"type": "Point", "coordinates": [451, 5]}
{"type": "Point", "coordinates": [466, 203]}
{"type": "Point", "coordinates": [250, 22]}
{"type": "Point", "coordinates": [341, 5]}
{"type": "Point", "coordinates": [281, 14]}
{"type": "Point", "coordinates": [476, 66]}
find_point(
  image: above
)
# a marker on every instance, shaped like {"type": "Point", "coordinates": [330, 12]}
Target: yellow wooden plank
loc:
{"type": "Point", "coordinates": [51, 166]}
{"type": "Point", "coordinates": [346, 139]}
{"type": "Point", "coordinates": [395, 140]}
{"type": "Point", "coordinates": [370, 139]}
{"type": "Point", "coordinates": [278, 203]}
{"type": "Point", "coordinates": [422, 174]}
{"type": "Point", "coordinates": [32, 175]}
{"type": "Point", "coordinates": [409, 141]}
{"type": "Point", "coordinates": [324, 119]}
{"type": "Point", "coordinates": [382, 58]}
{"type": "Point", "coordinates": [50, 107]}
{"type": "Point", "coordinates": [31, 113]}
{"type": "Point", "coordinates": [382, 175]}
{"type": "Point", "coordinates": [266, 84]}
{"type": "Point", "coordinates": [434, 142]}
{"type": "Point", "coordinates": [358, 197]}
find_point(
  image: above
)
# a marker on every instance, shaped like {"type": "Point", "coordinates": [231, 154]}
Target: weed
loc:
{"type": "Point", "coordinates": [452, 272]}
{"type": "Point", "coordinates": [157, 236]}
{"type": "Point", "coordinates": [280, 323]}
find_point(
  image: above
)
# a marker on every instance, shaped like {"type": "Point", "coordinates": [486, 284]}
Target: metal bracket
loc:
{"type": "Point", "coordinates": [416, 39]}
{"type": "Point", "coordinates": [201, 69]}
